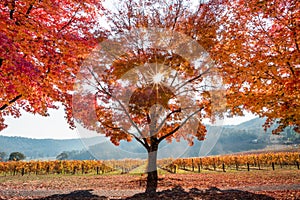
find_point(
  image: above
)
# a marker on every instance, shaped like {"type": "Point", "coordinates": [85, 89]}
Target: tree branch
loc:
{"type": "Point", "coordinates": [135, 137]}
{"type": "Point", "coordinates": [193, 79]}
{"type": "Point", "coordinates": [29, 10]}
{"type": "Point", "coordinates": [10, 102]}
{"type": "Point", "coordinates": [163, 122]}
{"type": "Point", "coordinates": [11, 12]}
{"type": "Point", "coordinates": [71, 20]}
{"type": "Point", "coordinates": [181, 125]}
{"type": "Point", "coordinates": [119, 102]}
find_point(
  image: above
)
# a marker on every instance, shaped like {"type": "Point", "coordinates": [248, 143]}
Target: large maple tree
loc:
{"type": "Point", "coordinates": [152, 80]}
{"type": "Point", "coordinates": [143, 85]}
{"type": "Point", "coordinates": [42, 44]}
{"type": "Point", "coordinates": [258, 52]}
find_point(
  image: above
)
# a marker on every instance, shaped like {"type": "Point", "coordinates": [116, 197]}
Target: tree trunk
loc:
{"type": "Point", "coordinates": [152, 177]}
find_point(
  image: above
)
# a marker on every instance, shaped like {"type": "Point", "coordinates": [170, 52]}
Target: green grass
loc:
{"type": "Point", "coordinates": [139, 170]}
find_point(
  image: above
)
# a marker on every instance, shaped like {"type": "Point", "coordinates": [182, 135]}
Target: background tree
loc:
{"type": "Point", "coordinates": [155, 82]}
{"type": "Point", "coordinates": [2, 156]}
{"type": "Point", "coordinates": [259, 56]}
{"type": "Point", "coordinates": [16, 156]}
{"type": "Point", "coordinates": [62, 156]}
{"type": "Point", "coordinates": [42, 44]}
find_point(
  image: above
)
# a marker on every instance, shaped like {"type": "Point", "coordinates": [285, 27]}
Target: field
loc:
{"type": "Point", "coordinates": [231, 177]}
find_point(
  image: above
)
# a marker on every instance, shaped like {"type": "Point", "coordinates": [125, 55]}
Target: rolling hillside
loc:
{"type": "Point", "coordinates": [231, 139]}
{"type": "Point", "coordinates": [41, 148]}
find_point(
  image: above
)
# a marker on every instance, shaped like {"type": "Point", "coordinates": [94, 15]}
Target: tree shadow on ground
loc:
{"type": "Point", "coordinates": [76, 195]}
{"type": "Point", "coordinates": [175, 193]}
{"type": "Point", "coordinates": [194, 193]}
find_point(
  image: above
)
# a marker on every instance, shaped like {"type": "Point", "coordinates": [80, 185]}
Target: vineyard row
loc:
{"type": "Point", "coordinates": [226, 162]}
{"type": "Point", "coordinates": [233, 162]}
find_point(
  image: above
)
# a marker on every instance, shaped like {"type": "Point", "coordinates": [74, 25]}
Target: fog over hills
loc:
{"type": "Point", "coordinates": [219, 140]}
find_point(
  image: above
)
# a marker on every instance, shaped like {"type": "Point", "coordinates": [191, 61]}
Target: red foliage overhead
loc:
{"type": "Point", "coordinates": [259, 57]}
{"type": "Point", "coordinates": [255, 44]}
{"type": "Point", "coordinates": [42, 44]}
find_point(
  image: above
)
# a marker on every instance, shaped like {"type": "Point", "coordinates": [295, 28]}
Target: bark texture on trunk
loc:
{"type": "Point", "coordinates": [152, 177]}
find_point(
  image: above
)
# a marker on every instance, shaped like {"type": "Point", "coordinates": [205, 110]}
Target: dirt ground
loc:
{"type": "Point", "coordinates": [259, 184]}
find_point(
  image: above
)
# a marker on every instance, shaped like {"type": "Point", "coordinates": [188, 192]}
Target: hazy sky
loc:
{"type": "Point", "coordinates": [55, 126]}
{"type": "Point", "coordinates": [36, 126]}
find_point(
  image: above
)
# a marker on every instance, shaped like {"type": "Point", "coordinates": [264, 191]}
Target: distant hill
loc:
{"type": "Point", "coordinates": [246, 136]}
{"type": "Point", "coordinates": [220, 140]}
{"type": "Point", "coordinates": [41, 148]}
{"type": "Point", "coordinates": [251, 124]}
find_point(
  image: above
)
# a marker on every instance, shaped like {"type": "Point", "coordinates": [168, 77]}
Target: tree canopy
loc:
{"type": "Point", "coordinates": [257, 49]}
{"type": "Point", "coordinates": [16, 156]}
{"type": "Point", "coordinates": [62, 156]}
{"type": "Point", "coordinates": [2, 156]}
{"type": "Point", "coordinates": [259, 56]}
{"type": "Point", "coordinates": [42, 44]}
